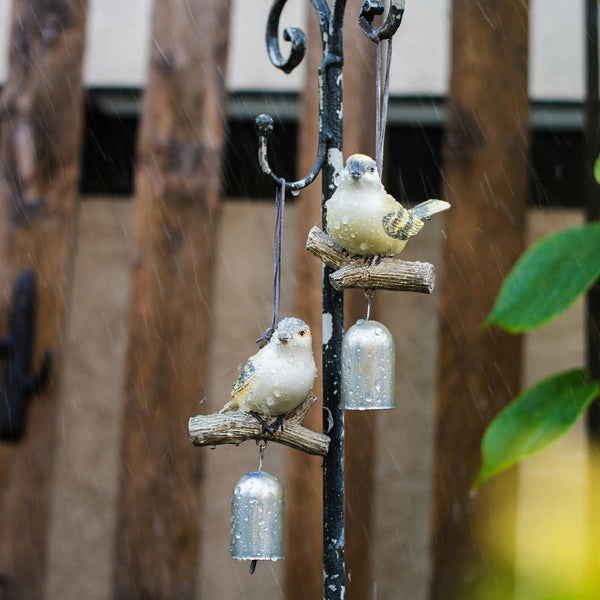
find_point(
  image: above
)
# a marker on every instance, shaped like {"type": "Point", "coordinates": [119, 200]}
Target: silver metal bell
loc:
{"type": "Point", "coordinates": [368, 367]}
{"type": "Point", "coordinates": [257, 518]}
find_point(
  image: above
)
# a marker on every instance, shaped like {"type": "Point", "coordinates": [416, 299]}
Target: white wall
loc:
{"type": "Point", "coordinates": [118, 40]}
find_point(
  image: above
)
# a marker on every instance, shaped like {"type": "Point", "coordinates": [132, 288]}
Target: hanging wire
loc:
{"type": "Point", "coordinates": [382, 103]}
{"type": "Point", "coordinates": [277, 244]}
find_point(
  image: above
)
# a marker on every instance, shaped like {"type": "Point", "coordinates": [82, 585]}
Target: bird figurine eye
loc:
{"type": "Point", "coordinates": [372, 169]}
{"type": "Point", "coordinates": [302, 332]}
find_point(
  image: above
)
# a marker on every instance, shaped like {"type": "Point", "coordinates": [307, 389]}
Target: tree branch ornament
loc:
{"type": "Point", "coordinates": [237, 427]}
{"type": "Point", "coordinates": [389, 273]}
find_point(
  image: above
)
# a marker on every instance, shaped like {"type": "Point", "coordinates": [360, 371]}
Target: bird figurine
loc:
{"type": "Point", "coordinates": [278, 378]}
{"type": "Point", "coordinates": [365, 220]}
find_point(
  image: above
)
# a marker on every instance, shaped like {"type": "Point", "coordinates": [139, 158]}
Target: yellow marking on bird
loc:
{"type": "Point", "coordinates": [243, 390]}
{"type": "Point", "coordinates": [402, 224]}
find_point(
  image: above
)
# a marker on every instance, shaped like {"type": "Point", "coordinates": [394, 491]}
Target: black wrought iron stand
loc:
{"type": "Point", "coordinates": [329, 161]}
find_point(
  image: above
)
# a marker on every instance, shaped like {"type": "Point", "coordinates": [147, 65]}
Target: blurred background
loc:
{"type": "Point", "coordinates": [130, 184]}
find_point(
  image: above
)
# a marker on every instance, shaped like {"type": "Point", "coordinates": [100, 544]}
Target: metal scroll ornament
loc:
{"type": "Point", "coordinates": [330, 24]}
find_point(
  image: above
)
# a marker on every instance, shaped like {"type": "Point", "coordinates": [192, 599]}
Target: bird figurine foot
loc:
{"type": "Point", "coordinates": [266, 427]}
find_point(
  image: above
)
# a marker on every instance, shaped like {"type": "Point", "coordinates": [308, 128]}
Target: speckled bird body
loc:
{"type": "Point", "coordinates": [365, 220]}
{"type": "Point", "coordinates": [279, 377]}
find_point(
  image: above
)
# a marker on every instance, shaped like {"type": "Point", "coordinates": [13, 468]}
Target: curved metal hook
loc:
{"type": "Point", "coordinates": [295, 35]}
{"type": "Point", "coordinates": [370, 8]}
{"type": "Point", "coordinates": [264, 123]}
{"type": "Point", "coordinates": [264, 128]}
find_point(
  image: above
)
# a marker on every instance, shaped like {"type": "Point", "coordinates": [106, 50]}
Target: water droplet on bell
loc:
{"type": "Point", "coordinates": [295, 193]}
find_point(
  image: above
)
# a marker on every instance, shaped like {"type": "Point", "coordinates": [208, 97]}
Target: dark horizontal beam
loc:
{"type": "Point", "coordinates": [429, 111]}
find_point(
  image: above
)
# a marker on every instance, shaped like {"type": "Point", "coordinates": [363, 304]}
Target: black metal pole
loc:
{"type": "Point", "coordinates": [334, 567]}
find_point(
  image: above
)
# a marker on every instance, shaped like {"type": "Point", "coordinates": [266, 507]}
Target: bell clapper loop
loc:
{"type": "Point", "coordinates": [262, 444]}
{"type": "Point", "coordinates": [369, 295]}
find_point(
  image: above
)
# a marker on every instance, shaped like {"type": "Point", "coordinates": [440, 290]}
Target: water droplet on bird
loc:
{"type": "Point", "coordinates": [345, 219]}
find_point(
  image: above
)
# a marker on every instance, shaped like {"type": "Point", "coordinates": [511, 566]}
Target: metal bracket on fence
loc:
{"type": "Point", "coordinates": [18, 384]}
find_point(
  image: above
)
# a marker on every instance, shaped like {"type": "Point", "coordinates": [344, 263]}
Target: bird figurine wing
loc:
{"type": "Point", "coordinates": [404, 224]}
{"type": "Point", "coordinates": [246, 376]}
{"type": "Point", "coordinates": [241, 386]}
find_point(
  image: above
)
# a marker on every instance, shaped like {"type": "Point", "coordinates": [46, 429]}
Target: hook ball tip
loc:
{"type": "Point", "coordinates": [264, 125]}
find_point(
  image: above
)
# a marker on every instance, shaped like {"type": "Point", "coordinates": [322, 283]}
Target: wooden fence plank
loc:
{"type": "Point", "coordinates": [486, 176]}
{"type": "Point", "coordinates": [41, 109]}
{"type": "Point", "coordinates": [177, 196]}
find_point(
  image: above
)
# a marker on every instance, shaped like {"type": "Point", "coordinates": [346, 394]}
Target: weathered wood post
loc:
{"type": "Point", "coordinates": [40, 125]}
{"type": "Point", "coordinates": [177, 197]}
{"type": "Point", "coordinates": [486, 175]}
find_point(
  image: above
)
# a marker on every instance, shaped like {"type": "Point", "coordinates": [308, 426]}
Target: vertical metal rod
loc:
{"type": "Point", "coordinates": [334, 568]}
{"type": "Point", "coordinates": [592, 202]}
{"type": "Point", "coordinates": [591, 190]}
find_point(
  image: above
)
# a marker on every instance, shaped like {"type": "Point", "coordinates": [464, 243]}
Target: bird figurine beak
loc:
{"type": "Point", "coordinates": [284, 336]}
{"type": "Point", "coordinates": [355, 173]}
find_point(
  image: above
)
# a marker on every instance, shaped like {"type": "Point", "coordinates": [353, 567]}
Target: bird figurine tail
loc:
{"type": "Point", "coordinates": [228, 406]}
{"type": "Point", "coordinates": [428, 208]}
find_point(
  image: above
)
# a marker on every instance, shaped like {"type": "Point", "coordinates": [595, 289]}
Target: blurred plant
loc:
{"type": "Point", "coordinates": [544, 282]}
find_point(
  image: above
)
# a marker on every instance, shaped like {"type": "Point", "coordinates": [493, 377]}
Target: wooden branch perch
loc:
{"type": "Point", "coordinates": [390, 273]}
{"type": "Point", "coordinates": [236, 427]}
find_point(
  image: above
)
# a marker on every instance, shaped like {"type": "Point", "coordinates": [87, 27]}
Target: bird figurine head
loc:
{"type": "Point", "coordinates": [293, 333]}
{"type": "Point", "coordinates": [361, 169]}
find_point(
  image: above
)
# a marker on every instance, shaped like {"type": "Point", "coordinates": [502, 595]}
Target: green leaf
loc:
{"type": "Point", "coordinates": [548, 278]}
{"type": "Point", "coordinates": [534, 420]}
{"type": "Point", "coordinates": [597, 170]}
